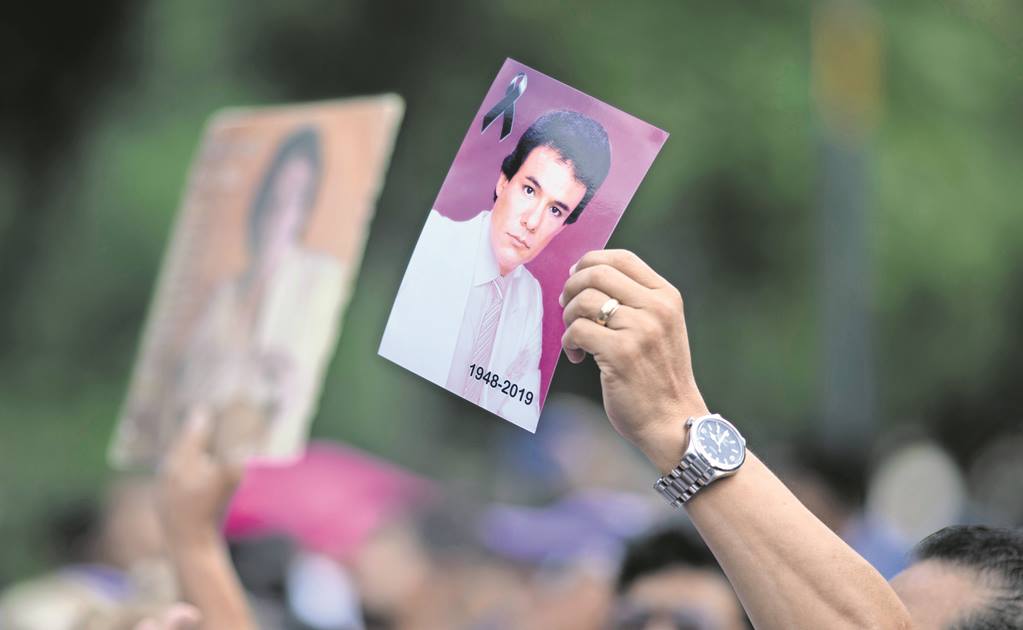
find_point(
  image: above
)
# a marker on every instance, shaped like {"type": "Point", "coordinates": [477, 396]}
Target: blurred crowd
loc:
{"type": "Point", "coordinates": [340, 540]}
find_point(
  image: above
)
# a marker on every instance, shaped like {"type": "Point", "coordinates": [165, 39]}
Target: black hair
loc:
{"type": "Point", "coordinates": [579, 139]}
{"type": "Point", "coordinates": [74, 529]}
{"type": "Point", "coordinates": [665, 548]}
{"type": "Point", "coordinates": [997, 555]}
{"type": "Point", "coordinates": [301, 143]}
{"type": "Point", "coordinates": [843, 470]}
{"type": "Point", "coordinates": [261, 563]}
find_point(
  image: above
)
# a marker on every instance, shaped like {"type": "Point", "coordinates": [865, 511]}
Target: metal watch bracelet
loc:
{"type": "Point", "coordinates": [685, 480]}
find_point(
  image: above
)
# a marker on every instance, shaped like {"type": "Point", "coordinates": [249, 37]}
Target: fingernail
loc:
{"type": "Point", "coordinates": [198, 419]}
{"type": "Point", "coordinates": [571, 270]}
{"type": "Point", "coordinates": [561, 300]}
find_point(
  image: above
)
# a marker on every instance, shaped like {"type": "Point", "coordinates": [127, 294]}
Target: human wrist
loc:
{"type": "Point", "coordinates": [664, 438]}
{"type": "Point", "coordinates": [666, 452]}
{"type": "Point", "coordinates": [193, 536]}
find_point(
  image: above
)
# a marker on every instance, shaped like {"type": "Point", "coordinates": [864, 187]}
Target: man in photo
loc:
{"type": "Point", "coordinates": [468, 308]}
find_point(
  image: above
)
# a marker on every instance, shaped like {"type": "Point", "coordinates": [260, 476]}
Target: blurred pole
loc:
{"type": "Point", "coordinates": [846, 68]}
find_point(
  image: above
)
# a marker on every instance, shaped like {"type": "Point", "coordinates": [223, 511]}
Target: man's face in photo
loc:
{"type": "Point", "coordinates": [532, 206]}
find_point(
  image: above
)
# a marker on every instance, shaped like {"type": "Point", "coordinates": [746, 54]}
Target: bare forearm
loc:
{"type": "Point", "coordinates": [788, 569]}
{"type": "Point", "coordinates": [208, 581]}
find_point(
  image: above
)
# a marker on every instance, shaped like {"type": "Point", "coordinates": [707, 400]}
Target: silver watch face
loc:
{"type": "Point", "coordinates": [720, 443]}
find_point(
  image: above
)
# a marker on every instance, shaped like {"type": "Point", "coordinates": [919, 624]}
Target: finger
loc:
{"type": "Point", "coordinates": [575, 356]}
{"type": "Point", "coordinates": [233, 473]}
{"type": "Point", "coordinates": [181, 617]}
{"type": "Point", "coordinates": [585, 336]}
{"type": "Point", "coordinates": [623, 260]}
{"type": "Point", "coordinates": [195, 435]}
{"type": "Point", "coordinates": [609, 281]}
{"type": "Point", "coordinates": [588, 304]}
{"type": "Point", "coordinates": [147, 624]}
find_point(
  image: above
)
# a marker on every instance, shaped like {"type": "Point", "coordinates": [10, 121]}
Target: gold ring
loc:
{"type": "Point", "coordinates": [607, 311]}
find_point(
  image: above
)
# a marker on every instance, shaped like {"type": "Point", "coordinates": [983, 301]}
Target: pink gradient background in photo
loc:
{"type": "Point", "coordinates": [469, 185]}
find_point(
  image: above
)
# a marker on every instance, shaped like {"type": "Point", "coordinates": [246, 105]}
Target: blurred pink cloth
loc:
{"type": "Point", "coordinates": [330, 500]}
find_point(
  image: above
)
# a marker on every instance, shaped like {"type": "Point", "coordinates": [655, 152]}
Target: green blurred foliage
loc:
{"type": "Point", "coordinates": [727, 212]}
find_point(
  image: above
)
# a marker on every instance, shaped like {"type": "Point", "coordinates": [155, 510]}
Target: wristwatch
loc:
{"type": "Point", "coordinates": [716, 449]}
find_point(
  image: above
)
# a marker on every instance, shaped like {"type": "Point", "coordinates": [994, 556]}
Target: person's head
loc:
{"type": "Point", "coordinates": [669, 580]}
{"type": "Point", "coordinates": [965, 578]}
{"type": "Point", "coordinates": [286, 193]}
{"type": "Point", "coordinates": [545, 184]}
{"type": "Point", "coordinates": [829, 479]}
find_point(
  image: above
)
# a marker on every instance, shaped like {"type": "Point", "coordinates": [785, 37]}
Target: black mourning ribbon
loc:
{"type": "Point", "coordinates": [506, 106]}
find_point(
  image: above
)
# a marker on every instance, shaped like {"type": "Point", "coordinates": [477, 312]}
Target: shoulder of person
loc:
{"type": "Point", "coordinates": [530, 280]}
{"type": "Point", "coordinates": [439, 223]}
{"type": "Point", "coordinates": [532, 292]}
{"type": "Point", "coordinates": [442, 236]}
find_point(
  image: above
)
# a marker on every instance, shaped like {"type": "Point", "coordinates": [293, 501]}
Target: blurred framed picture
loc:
{"type": "Point", "coordinates": [542, 176]}
{"type": "Point", "coordinates": [250, 298]}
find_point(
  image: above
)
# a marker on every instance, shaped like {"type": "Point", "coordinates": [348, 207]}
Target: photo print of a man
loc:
{"type": "Point", "coordinates": [469, 315]}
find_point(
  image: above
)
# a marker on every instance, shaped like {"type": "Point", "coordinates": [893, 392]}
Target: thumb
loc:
{"type": "Point", "coordinates": [182, 617]}
{"type": "Point", "coordinates": [233, 473]}
{"type": "Point", "coordinates": [196, 433]}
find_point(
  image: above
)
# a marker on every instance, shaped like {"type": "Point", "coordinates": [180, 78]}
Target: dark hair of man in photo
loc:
{"type": "Point", "coordinates": [579, 140]}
